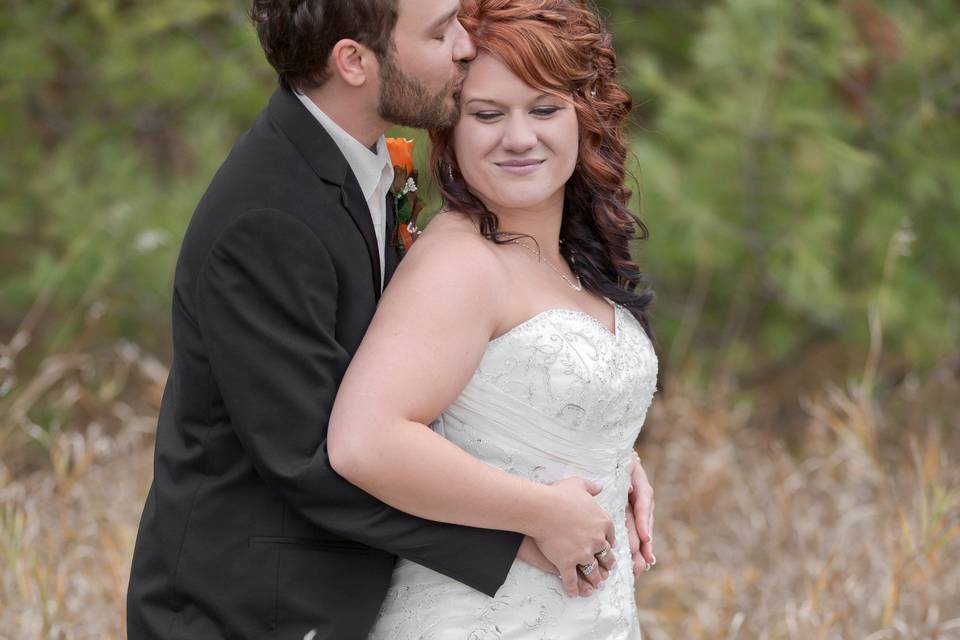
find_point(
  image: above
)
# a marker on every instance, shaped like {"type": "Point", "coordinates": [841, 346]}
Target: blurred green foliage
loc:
{"type": "Point", "coordinates": [114, 116]}
{"type": "Point", "coordinates": [798, 164]}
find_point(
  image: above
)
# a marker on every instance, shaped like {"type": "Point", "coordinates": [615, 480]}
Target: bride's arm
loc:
{"type": "Point", "coordinates": [425, 342]}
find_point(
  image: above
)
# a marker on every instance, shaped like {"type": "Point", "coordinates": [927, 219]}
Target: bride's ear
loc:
{"type": "Point", "coordinates": [354, 63]}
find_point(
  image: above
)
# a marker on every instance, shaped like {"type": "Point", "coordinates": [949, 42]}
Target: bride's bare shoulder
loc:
{"type": "Point", "coordinates": [447, 221]}
{"type": "Point", "coordinates": [451, 273]}
{"type": "Point", "coordinates": [451, 233]}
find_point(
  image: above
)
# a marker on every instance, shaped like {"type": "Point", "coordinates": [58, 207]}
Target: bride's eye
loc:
{"type": "Point", "coordinates": [545, 112]}
{"type": "Point", "coordinates": [487, 116]}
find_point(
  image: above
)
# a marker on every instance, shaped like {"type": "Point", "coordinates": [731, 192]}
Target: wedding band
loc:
{"type": "Point", "coordinates": [602, 554]}
{"type": "Point", "coordinates": [587, 569]}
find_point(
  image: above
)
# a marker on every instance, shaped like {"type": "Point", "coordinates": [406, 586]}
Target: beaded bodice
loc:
{"type": "Point", "coordinates": [557, 395]}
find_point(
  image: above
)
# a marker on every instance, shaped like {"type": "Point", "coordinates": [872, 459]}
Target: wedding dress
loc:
{"type": "Point", "coordinates": [556, 396]}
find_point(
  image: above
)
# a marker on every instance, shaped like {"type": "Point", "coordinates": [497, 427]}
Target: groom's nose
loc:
{"type": "Point", "coordinates": [463, 49]}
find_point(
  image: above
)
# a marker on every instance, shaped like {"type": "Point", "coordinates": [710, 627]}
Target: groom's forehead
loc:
{"type": "Point", "coordinates": [428, 13]}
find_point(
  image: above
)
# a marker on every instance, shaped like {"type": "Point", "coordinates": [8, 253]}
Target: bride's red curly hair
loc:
{"type": "Point", "coordinates": [561, 47]}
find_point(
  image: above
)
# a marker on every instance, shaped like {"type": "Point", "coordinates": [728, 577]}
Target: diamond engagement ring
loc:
{"type": "Point", "coordinates": [587, 569]}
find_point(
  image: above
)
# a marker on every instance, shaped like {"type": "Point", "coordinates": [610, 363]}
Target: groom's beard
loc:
{"type": "Point", "coordinates": [408, 103]}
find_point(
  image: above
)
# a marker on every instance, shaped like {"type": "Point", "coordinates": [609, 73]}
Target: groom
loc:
{"type": "Point", "coordinates": [247, 532]}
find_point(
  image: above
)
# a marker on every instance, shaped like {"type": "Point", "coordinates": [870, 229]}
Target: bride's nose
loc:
{"type": "Point", "coordinates": [518, 135]}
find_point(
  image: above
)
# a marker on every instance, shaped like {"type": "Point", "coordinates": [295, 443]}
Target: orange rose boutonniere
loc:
{"type": "Point", "coordinates": [406, 205]}
{"type": "Point", "coordinates": [401, 153]}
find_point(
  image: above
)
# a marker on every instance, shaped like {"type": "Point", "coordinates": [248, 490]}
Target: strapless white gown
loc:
{"type": "Point", "coordinates": [557, 395]}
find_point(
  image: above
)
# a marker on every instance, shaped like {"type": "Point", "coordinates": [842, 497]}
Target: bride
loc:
{"type": "Point", "coordinates": [515, 328]}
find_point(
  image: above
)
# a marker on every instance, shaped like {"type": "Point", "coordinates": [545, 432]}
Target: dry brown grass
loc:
{"type": "Point", "coordinates": [66, 549]}
{"type": "Point", "coordinates": [71, 492]}
{"type": "Point", "coordinates": [855, 535]}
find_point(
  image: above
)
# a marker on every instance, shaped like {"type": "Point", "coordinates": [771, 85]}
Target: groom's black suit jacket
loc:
{"type": "Point", "coordinates": [247, 532]}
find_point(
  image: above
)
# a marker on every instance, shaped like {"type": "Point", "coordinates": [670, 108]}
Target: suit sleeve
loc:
{"type": "Point", "coordinates": [266, 301]}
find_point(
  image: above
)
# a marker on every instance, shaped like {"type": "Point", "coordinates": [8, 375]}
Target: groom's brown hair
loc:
{"type": "Point", "coordinates": [299, 35]}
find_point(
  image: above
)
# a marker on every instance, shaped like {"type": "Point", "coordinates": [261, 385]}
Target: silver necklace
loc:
{"type": "Point", "coordinates": [576, 287]}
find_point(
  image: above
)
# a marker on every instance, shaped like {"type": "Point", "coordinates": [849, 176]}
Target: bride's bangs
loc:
{"type": "Point", "coordinates": [533, 40]}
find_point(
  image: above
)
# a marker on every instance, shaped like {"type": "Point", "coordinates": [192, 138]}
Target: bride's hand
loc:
{"type": "Point", "coordinates": [530, 553]}
{"type": "Point", "coordinates": [573, 529]}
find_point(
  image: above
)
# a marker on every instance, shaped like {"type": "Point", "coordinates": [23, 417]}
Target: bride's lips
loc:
{"type": "Point", "coordinates": [520, 167]}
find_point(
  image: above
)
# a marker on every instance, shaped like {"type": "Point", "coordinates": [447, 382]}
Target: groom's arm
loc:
{"type": "Point", "coordinates": [266, 300]}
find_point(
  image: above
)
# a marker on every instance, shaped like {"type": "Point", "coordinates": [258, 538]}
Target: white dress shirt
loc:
{"type": "Point", "coordinates": [374, 172]}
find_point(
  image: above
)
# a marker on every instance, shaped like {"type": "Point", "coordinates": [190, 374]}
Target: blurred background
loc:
{"type": "Point", "coordinates": [798, 165]}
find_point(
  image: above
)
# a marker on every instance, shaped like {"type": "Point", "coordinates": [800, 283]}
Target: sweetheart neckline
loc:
{"type": "Point", "coordinates": [614, 335]}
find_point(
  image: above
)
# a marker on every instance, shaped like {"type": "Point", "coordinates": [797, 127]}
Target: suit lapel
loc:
{"type": "Point", "coordinates": [391, 255]}
{"type": "Point", "coordinates": [324, 157]}
{"type": "Point", "coordinates": [356, 205]}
